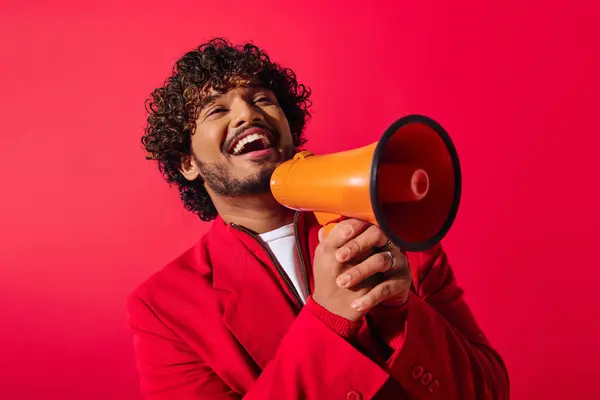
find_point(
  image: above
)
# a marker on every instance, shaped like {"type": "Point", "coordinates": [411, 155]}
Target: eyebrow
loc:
{"type": "Point", "coordinates": [211, 99]}
{"type": "Point", "coordinates": [214, 97]}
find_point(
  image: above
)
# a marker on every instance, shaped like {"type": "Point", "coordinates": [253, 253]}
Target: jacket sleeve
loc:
{"type": "Point", "coordinates": [313, 361]}
{"type": "Point", "coordinates": [437, 349]}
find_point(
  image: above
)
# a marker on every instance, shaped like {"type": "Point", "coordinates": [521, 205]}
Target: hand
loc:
{"type": "Point", "coordinates": [373, 254]}
{"type": "Point", "coordinates": [373, 276]}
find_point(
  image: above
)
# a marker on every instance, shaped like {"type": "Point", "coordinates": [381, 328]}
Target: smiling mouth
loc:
{"type": "Point", "coordinates": [254, 139]}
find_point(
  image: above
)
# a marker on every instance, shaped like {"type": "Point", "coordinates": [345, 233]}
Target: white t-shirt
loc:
{"type": "Point", "coordinates": [282, 243]}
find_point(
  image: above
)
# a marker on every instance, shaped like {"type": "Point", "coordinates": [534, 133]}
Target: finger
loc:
{"type": "Point", "coordinates": [399, 266]}
{"type": "Point", "coordinates": [344, 231]}
{"type": "Point", "coordinates": [397, 287]}
{"type": "Point", "coordinates": [378, 262]}
{"type": "Point", "coordinates": [358, 246]}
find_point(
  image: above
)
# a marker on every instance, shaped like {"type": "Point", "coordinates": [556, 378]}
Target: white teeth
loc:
{"type": "Point", "coordinates": [248, 139]}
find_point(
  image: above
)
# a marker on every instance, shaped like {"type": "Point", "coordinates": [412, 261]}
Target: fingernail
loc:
{"type": "Point", "coordinates": [343, 253]}
{"type": "Point", "coordinates": [344, 280]}
{"type": "Point", "coordinates": [357, 304]}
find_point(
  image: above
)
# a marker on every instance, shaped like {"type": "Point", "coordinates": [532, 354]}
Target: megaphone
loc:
{"type": "Point", "coordinates": [408, 183]}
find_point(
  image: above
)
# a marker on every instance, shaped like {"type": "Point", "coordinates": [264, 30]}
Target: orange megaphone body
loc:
{"type": "Point", "coordinates": [408, 183]}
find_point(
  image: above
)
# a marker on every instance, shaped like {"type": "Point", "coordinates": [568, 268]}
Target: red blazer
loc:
{"type": "Point", "coordinates": [220, 322]}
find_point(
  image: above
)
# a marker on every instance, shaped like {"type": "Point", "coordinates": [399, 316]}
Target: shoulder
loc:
{"type": "Point", "coordinates": [189, 272]}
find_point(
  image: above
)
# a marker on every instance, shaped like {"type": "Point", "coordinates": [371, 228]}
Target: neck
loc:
{"type": "Point", "coordinates": [258, 213]}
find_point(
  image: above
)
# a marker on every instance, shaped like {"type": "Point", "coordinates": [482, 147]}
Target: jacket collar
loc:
{"type": "Point", "coordinates": [258, 306]}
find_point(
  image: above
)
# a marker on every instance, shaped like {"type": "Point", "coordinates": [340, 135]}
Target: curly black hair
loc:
{"type": "Point", "coordinates": [173, 108]}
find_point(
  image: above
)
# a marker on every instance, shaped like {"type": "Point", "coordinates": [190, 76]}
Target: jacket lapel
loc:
{"type": "Point", "coordinates": [308, 231]}
{"type": "Point", "coordinates": [255, 308]}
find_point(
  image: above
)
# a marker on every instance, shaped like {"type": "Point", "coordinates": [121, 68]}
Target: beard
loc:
{"type": "Point", "coordinates": [219, 179]}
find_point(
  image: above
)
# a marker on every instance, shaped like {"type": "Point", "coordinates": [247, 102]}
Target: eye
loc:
{"type": "Point", "coordinates": [215, 110]}
{"type": "Point", "coordinates": [262, 99]}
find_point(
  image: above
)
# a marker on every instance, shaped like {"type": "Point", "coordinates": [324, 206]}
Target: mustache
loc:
{"type": "Point", "coordinates": [228, 142]}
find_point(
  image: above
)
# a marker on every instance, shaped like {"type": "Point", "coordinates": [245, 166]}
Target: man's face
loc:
{"type": "Point", "coordinates": [241, 137]}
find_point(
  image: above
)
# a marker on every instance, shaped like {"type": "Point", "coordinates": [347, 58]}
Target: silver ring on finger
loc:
{"type": "Point", "coordinates": [389, 253]}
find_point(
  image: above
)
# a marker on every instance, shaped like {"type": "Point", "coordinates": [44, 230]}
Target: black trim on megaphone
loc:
{"type": "Point", "coordinates": [374, 195]}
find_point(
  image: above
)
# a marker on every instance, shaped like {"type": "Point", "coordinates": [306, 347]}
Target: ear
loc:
{"type": "Point", "coordinates": [189, 168]}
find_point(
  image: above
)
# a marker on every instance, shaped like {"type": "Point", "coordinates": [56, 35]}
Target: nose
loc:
{"type": "Point", "coordinates": [245, 114]}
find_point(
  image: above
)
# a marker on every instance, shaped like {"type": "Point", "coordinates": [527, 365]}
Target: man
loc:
{"type": "Point", "coordinates": [264, 306]}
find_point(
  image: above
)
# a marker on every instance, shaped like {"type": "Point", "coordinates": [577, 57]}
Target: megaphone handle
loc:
{"type": "Point", "coordinates": [328, 221]}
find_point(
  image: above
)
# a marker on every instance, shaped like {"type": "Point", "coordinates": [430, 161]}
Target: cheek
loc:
{"type": "Point", "coordinates": [286, 138]}
{"type": "Point", "coordinates": [206, 144]}
{"type": "Point", "coordinates": [283, 127]}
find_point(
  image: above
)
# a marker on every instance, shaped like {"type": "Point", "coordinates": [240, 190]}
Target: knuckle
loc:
{"type": "Point", "coordinates": [344, 229]}
{"type": "Point", "coordinates": [344, 223]}
{"type": "Point", "coordinates": [376, 232]}
{"type": "Point", "coordinates": [354, 245]}
{"type": "Point", "coordinates": [386, 291]}
{"type": "Point", "coordinates": [357, 224]}
{"type": "Point", "coordinates": [320, 250]}
{"type": "Point", "coordinates": [356, 273]}
{"type": "Point", "coordinates": [404, 259]}
{"type": "Point", "coordinates": [381, 260]}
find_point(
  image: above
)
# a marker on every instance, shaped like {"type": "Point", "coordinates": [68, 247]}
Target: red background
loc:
{"type": "Point", "coordinates": [85, 218]}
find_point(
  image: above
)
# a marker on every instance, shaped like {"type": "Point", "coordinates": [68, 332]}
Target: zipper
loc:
{"type": "Point", "coordinates": [274, 260]}
{"type": "Point", "coordinates": [301, 253]}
